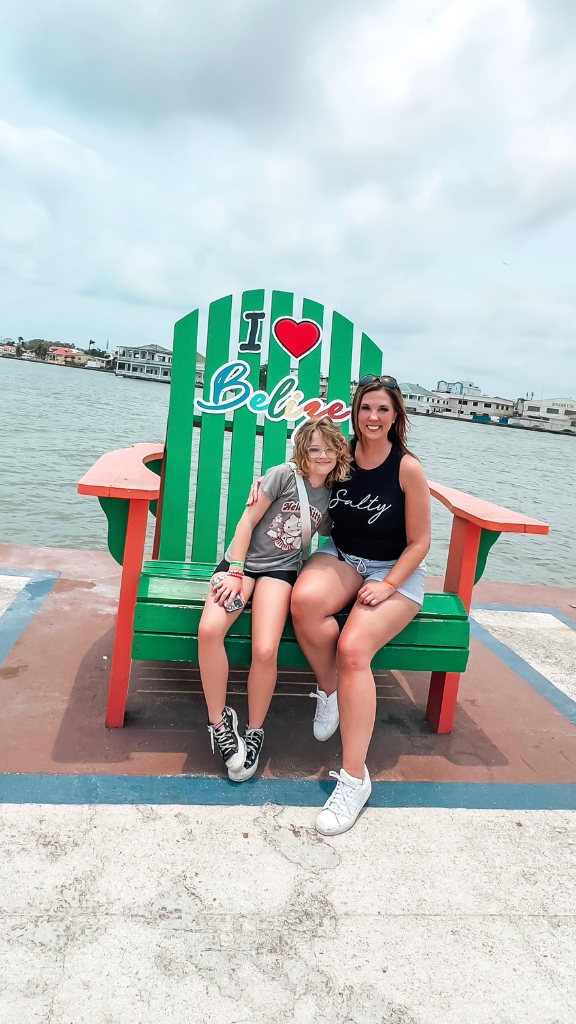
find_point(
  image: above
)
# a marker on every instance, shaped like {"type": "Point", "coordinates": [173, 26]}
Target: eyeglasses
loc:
{"type": "Point", "coordinates": [316, 452]}
{"type": "Point", "coordinates": [371, 378]}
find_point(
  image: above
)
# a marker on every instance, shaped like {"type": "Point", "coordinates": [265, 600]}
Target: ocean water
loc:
{"type": "Point", "coordinates": [55, 421]}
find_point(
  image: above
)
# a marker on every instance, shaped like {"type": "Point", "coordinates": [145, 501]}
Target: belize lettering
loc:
{"type": "Point", "coordinates": [230, 389]}
{"type": "Point", "coordinates": [367, 504]}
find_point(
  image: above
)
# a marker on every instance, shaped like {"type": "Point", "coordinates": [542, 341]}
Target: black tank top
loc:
{"type": "Point", "coordinates": [368, 511]}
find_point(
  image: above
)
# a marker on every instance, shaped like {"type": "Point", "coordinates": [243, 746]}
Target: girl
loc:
{"type": "Point", "coordinates": [265, 557]}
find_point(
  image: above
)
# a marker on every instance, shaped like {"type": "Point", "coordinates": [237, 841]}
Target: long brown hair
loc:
{"type": "Point", "coordinates": [398, 430]}
{"type": "Point", "coordinates": [332, 436]}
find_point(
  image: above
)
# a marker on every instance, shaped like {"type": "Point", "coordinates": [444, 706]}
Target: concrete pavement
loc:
{"type": "Point", "coordinates": [222, 915]}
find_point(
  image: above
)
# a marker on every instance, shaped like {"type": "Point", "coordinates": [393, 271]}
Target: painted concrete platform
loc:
{"type": "Point", "coordinates": [138, 885]}
{"type": "Point", "coordinates": [515, 723]}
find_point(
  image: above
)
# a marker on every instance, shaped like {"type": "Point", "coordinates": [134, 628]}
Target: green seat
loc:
{"type": "Point", "coordinates": [169, 605]}
{"type": "Point", "coordinates": [263, 368]}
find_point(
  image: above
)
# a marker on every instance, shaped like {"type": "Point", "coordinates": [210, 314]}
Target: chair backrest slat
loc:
{"type": "Point", "coordinates": [340, 367]}
{"type": "Point", "coordinates": [309, 368]}
{"type": "Point", "coordinates": [370, 357]}
{"type": "Point", "coordinates": [244, 427]}
{"type": "Point", "coordinates": [209, 478]}
{"type": "Point", "coordinates": [176, 486]}
{"type": "Point", "coordinates": [274, 445]}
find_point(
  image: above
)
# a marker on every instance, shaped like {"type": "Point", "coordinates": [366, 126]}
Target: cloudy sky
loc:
{"type": "Point", "coordinates": [409, 162]}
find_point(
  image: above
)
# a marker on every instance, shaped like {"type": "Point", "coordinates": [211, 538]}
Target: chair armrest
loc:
{"type": "Point", "coordinates": [484, 514]}
{"type": "Point", "coordinates": [123, 474]}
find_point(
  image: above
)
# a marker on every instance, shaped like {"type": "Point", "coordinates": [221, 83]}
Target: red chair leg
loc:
{"type": "Point", "coordinates": [121, 651]}
{"type": "Point", "coordinates": [442, 700]}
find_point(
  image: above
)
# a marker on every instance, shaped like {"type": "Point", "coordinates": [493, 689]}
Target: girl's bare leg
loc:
{"type": "Point", "coordinates": [270, 605]}
{"type": "Point", "coordinates": [214, 624]}
{"type": "Point", "coordinates": [324, 587]}
{"type": "Point", "coordinates": [367, 630]}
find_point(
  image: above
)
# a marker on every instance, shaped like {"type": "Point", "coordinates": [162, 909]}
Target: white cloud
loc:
{"type": "Point", "coordinates": [43, 154]}
{"type": "Point", "coordinates": [412, 163]}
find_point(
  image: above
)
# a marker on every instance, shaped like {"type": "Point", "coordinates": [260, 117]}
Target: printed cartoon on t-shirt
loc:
{"type": "Point", "coordinates": [286, 533]}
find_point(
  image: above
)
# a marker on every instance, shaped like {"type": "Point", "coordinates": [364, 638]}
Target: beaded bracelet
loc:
{"type": "Point", "coordinates": [236, 575]}
{"type": "Point", "coordinates": [390, 584]}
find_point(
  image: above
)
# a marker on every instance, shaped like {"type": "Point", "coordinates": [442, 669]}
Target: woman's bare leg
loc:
{"type": "Point", "coordinates": [214, 624]}
{"type": "Point", "coordinates": [324, 587]}
{"type": "Point", "coordinates": [366, 631]}
{"type": "Point", "coordinates": [270, 604]}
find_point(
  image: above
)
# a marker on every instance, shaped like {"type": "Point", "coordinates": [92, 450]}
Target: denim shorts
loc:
{"type": "Point", "coordinates": [371, 569]}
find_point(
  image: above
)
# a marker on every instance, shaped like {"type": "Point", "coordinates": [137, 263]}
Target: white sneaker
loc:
{"type": "Point", "coordinates": [253, 740]}
{"type": "Point", "coordinates": [326, 718]}
{"type": "Point", "coordinates": [344, 805]}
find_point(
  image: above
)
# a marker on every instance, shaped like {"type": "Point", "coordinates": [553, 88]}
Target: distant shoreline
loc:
{"type": "Point", "coordinates": [515, 425]}
{"type": "Point", "coordinates": [51, 362]}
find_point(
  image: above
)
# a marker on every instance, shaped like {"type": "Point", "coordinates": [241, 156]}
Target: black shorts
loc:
{"type": "Point", "coordinates": [286, 575]}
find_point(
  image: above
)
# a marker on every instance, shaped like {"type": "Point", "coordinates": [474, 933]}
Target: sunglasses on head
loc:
{"type": "Point", "coordinates": [372, 378]}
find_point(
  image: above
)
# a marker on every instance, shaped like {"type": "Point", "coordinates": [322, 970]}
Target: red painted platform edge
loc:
{"type": "Point", "coordinates": [123, 474]}
{"type": "Point", "coordinates": [484, 513]}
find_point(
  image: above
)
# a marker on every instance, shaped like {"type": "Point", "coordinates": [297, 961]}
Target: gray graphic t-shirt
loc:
{"type": "Point", "coordinates": [277, 539]}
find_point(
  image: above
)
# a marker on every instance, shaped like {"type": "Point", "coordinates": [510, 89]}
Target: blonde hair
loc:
{"type": "Point", "coordinates": [333, 437]}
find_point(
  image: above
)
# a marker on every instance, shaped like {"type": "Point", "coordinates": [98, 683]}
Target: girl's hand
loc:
{"type": "Point", "coordinates": [254, 492]}
{"type": "Point", "coordinates": [225, 592]}
{"type": "Point", "coordinates": [374, 593]}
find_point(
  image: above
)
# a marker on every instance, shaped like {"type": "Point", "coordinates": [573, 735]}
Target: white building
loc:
{"type": "Point", "coordinates": [484, 405]}
{"type": "Point", "coordinates": [547, 413]}
{"type": "Point", "coordinates": [152, 363]}
{"type": "Point", "coordinates": [417, 399]}
{"type": "Point", "coordinates": [458, 387]}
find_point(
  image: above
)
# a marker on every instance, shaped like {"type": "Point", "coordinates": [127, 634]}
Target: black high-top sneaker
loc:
{"type": "Point", "coordinates": [230, 743]}
{"type": "Point", "coordinates": [253, 738]}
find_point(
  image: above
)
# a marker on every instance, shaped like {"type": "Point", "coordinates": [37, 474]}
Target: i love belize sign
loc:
{"type": "Point", "coordinates": [230, 388]}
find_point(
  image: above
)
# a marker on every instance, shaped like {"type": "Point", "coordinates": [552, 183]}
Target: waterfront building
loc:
{"type": "Point", "coordinates": [483, 406]}
{"type": "Point", "coordinates": [8, 349]}
{"type": "Point", "coordinates": [418, 399]}
{"type": "Point", "coordinates": [153, 362]}
{"type": "Point", "coordinates": [66, 356]}
{"type": "Point", "coordinates": [99, 362]}
{"type": "Point", "coordinates": [557, 414]}
{"type": "Point", "coordinates": [458, 387]}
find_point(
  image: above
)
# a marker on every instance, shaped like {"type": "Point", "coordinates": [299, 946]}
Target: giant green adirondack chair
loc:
{"type": "Point", "coordinates": [161, 600]}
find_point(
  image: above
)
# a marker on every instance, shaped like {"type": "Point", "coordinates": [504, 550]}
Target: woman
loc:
{"type": "Point", "coordinates": [263, 565]}
{"type": "Point", "coordinates": [374, 558]}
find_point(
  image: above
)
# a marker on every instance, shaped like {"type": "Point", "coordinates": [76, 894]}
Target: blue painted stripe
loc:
{"type": "Point", "coordinates": [543, 686]}
{"type": "Point", "coordinates": [18, 614]}
{"type": "Point", "coordinates": [528, 608]}
{"type": "Point", "coordinates": [152, 789]}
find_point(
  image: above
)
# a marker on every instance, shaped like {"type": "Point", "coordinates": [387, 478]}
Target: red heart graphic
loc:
{"type": "Point", "coordinates": [296, 338]}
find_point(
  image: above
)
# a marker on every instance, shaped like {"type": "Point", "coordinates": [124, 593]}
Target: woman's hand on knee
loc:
{"type": "Point", "coordinates": [374, 592]}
